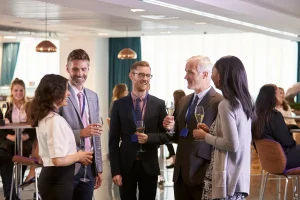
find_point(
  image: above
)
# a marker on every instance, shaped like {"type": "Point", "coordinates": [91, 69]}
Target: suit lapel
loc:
{"type": "Point", "coordinates": [91, 106]}
{"type": "Point", "coordinates": [129, 108]}
{"type": "Point", "coordinates": [186, 104]}
{"type": "Point", "coordinates": [73, 101]}
{"type": "Point", "coordinates": [208, 98]}
{"type": "Point", "coordinates": [150, 106]}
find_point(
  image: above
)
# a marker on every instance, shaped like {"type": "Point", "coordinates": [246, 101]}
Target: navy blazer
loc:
{"type": "Point", "coordinates": [122, 127]}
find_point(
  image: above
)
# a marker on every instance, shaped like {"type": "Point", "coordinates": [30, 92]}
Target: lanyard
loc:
{"type": "Point", "coordinates": [83, 105]}
{"type": "Point", "coordinates": [133, 113]}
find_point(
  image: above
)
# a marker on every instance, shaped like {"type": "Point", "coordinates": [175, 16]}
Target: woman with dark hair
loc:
{"type": "Point", "coordinates": [178, 94]}
{"type": "Point", "coordinates": [283, 107]}
{"type": "Point", "coordinates": [270, 124]}
{"type": "Point", "coordinates": [57, 146]}
{"type": "Point", "coordinates": [230, 135]}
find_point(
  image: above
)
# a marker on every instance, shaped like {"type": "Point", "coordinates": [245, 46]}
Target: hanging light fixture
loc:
{"type": "Point", "coordinates": [46, 46]}
{"type": "Point", "coordinates": [127, 53]}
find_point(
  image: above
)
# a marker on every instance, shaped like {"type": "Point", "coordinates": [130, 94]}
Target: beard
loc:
{"type": "Point", "coordinates": [78, 80]}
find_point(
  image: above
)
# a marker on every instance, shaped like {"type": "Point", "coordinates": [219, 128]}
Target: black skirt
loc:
{"type": "Point", "coordinates": [56, 183]}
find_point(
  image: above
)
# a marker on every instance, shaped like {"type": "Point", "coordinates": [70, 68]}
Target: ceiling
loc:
{"type": "Point", "coordinates": [113, 17]}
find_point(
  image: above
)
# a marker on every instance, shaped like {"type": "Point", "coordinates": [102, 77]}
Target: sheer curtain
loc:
{"type": "Point", "coordinates": [32, 66]}
{"type": "Point", "coordinates": [266, 59]}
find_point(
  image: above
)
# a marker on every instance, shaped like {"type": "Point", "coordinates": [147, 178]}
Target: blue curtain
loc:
{"type": "Point", "coordinates": [119, 69]}
{"type": "Point", "coordinates": [9, 62]}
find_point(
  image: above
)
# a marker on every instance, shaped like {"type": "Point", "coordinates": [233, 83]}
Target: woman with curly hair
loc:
{"type": "Point", "coordinates": [57, 146]}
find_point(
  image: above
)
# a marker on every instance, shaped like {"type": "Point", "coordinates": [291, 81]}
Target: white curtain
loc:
{"type": "Point", "coordinates": [266, 59]}
{"type": "Point", "coordinates": [32, 66]}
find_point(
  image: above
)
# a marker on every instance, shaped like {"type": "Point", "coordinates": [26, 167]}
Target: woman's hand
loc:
{"type": "Point", "coordinates": [199, 134]}
{"type": "Point", "coordinates": [25, 136]}
{"type": "Point", "coordinates": [6, 121]}
{"type": "Point", "coordinates": [84, 157]}
{"type": "Point", "coordinates": [11, 137]}
{"type": "Point", "coordinates": [203, 126]}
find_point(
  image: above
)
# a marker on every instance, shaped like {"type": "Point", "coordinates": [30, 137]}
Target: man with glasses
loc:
{"type": "Point", "coordinates": [131, 167]}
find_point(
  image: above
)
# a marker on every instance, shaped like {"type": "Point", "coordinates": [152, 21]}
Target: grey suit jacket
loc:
{"type": "Point", "coordinates": [71, 113]}
{"type": "Point", "coordinates": [192, 157]}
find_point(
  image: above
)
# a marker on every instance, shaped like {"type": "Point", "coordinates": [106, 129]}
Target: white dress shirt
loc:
{"type": "Point", "coordinates": [55, 138]}
{"type": "Point", "coordinates": [86, 110]}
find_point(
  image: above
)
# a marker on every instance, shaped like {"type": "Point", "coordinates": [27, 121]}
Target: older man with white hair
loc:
{"type": "Point", "coordinates": [192, 157]}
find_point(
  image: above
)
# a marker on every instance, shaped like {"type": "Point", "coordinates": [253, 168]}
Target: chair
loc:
{"type": "Point", "coordinates": [21, 160]}
{"type": "Point", "coordinates": [273, 161]}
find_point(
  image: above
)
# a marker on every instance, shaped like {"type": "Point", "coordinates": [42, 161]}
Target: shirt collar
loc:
{"type": "Point", "coordinates": [134, 97]}
{"type": "Point", "coordinates": [203, 93]}
{"type": "Point", "coordinates": [75, 89]}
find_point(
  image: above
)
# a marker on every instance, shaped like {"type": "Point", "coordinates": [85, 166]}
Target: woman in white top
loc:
{"type": "Point", "coordinates": [229, 170]}
{"type": "Point", "coordinates": [57, 147]}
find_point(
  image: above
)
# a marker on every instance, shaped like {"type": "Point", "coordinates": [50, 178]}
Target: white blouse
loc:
{"type": "Point", "coordinates": [55, 138]}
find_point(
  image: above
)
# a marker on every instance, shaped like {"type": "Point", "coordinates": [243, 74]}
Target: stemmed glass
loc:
{"type": "Point", "coordinates": [199, 115]}
{"type": "Point", "coordinates": [84, 179]}
{"type": "Point", "coordinates": [140, 128]}
{"type": "Point", "coordinates": [170, 108]}
{"type": "Point", "coordinates": [4, 109]}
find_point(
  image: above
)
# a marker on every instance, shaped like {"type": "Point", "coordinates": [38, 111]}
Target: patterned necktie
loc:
{"type": "Point", "coordinates": [82, 103]}
{"type": "Point", "coordinates": [192, 108]}
{"type": "Point", "coordinates": [138, 110]}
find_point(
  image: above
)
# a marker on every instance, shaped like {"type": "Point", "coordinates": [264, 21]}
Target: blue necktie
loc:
{"type": "Point", "coordinates": [137, 110]}
{"type": "Point", "coordinates": [192, 108]}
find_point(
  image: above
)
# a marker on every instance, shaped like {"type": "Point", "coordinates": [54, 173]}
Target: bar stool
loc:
{"type": "Point", "coordinates": [21, 160]}
{"type": "Point", "coordinates": [273, 161]}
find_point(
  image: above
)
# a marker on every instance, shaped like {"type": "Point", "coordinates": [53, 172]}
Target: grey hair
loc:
{"type": "Point", "coordinates": [203, 63]}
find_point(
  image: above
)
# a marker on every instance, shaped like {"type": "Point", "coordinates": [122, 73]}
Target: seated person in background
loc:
{"type": "Point", "coordinates": [270, 124]}
{"type": "Point", "coordinates": [283, 107]}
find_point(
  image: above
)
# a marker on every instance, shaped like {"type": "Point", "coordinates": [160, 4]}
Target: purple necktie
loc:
{"type": "Point", "coordinates": [82, 104]}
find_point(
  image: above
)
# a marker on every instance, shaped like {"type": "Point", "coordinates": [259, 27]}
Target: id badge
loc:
{"type": "Point", "coordinates": [134, 138]}
{"type": "Point", "coordinates": [184, 132]}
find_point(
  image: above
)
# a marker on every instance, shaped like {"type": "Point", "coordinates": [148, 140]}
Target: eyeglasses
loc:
{"type": "Point", "coordinates": [142, 75]}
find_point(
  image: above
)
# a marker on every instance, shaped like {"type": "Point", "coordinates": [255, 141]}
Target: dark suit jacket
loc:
{"type": "Point", "coordinates": [122, 126]}
{"type": "Point", "coordinates": [192, 157]}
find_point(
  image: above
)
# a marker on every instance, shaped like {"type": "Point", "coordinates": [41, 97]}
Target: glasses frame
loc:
{"type": "Point", "coordinates": [142, 75]}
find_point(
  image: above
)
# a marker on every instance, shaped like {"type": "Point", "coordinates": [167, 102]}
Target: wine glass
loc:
{"type": "Point", "coordinates": [91, 149]}
{"type": "Point", "coordinates": [4, 109]}
{"type": "Point", "coordinates": [140, 128]}
{"type": "Point", "coordinates": [170, 108]}
{"type": "Point", "coordinates": [199, 115]}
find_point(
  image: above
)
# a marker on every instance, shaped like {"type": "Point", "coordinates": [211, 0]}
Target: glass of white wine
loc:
{"type": "Point", "coordinates": [140, 128]}
{"type": "Point", "coordinates": [4, 109]}
{"type": "Point", "coordinates": [170, 108]}
{"type": "Point", "coordinates": [199, 115]}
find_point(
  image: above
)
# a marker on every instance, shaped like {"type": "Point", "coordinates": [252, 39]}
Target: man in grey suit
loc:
{"type": "Point", "coordinates": [192, 157]}
{"type": "Point", "coordinates": [82, 114]}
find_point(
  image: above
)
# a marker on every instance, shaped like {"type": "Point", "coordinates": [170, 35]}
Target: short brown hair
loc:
{"type": "Point", "coordinates": [137, 64]}
{"type": "Point", "coordinates": [78, 54]}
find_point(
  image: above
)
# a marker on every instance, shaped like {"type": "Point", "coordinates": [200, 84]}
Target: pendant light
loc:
{"type": "Point", "coordinates": [127, 53]}
{"type": "Point", "coordinates": [46, 46]}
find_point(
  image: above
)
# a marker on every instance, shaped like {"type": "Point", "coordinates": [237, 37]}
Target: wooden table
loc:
{"type": "Point", "coordinates": [18, 148]}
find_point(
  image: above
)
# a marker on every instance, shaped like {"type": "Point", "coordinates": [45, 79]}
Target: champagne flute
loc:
{"type": "Point", "coordinates": [170, 108]}
{"type": "Point", "coordinates": [140, 128]}
{"type": "Point", "coordinates": [84, 178]}
{"type": "Point", "coordinates": [4, 109]}
{"type": "Point", "coordinates": [199, 115]}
